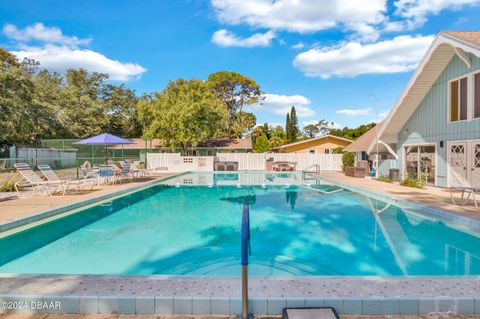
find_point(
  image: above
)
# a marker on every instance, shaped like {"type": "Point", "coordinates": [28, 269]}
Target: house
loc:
{"type": "Point", "coordinates": [433, 130]}
{"type": "Point", "coordinates": [209, 148]}
{"type": "Point", "coordinates": [318, 145]}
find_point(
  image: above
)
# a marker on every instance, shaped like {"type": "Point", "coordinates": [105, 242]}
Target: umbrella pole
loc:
{"type": "Point", "coordinates": [106, 154]}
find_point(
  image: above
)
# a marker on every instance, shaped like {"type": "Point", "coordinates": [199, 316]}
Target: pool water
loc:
{"type": "Point", "coordinates": [296, 230]}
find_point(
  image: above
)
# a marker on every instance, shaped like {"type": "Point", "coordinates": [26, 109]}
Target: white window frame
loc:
{"type": "Point", "coordinates": [473, 118]}
{"type": "Point", "coordinates": [470, 97]}
{"type": "Point", "coordinates": [404, 158]}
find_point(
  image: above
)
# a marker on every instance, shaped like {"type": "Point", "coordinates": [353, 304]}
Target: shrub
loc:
{"type": "Point", "coordinates": [411, 181]}
{"type": "Point", "coordinates": [338, 150]}
{"type": "Point", "coordinates": [348, 160]}
{"type": "Point", "coordinates": [384, 179]}
{"type": "Point", "coordinates": [262, 144]}
{"type": "Point", "coordinates": [7, 182]}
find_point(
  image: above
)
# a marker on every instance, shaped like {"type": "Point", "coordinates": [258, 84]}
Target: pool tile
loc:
{"type": "Point", "coordinates": [426, 306]}
{"type": "Point", "coordinates": [220, 306]}
{"type": "Point", "coordinates": [182, 305]}
{"type": "Point", "coordinates": [477, 306]}
{"type": "Point", "coordinates": [164, 306]}
{"type": "Point", "coordinates": [275, 305]}
{"type": "Point", "coordinates": [126, 305]}
{"type": "Point", "coordinates": [465, 306]}
{"type": "Point", "coordinates": [408, 306]}
{"type": "Point", "coordinates": [235, 306]}
{"type": "Point", "coordinates": [63, 300]}
{"type": "Point", "coordinates": [390, 307]}
{"type": "Point", "coordinates": [145, 305]}
{"type": "Point", "coordinates": [107, 305]}
{"type": "Point", "coordinates": [372, 306]}
{"type": "Point", "coordinates": [201, 306]}
{"type": "Point", "coordinates": [88, 304]}
{"type": "Point", "coordinates": [352, 306]}
{"type": "Point", "coordinates": [294, 302]}
{"type": "Point", "coordinates": [258, 305]}
{"type": "Point", "coordinates": [335, 303]}
{"type": "Point", "coordinates": [314, 302]}
{"type": "Point", "coordinates": [446, 305]}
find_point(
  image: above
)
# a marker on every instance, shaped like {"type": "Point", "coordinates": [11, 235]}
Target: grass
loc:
{"type": "Point", "coordinates": [384, 179]}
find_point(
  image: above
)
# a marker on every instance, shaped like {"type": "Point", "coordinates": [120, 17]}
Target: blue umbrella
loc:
{"type": "Point", "coordinates": [104, 139]}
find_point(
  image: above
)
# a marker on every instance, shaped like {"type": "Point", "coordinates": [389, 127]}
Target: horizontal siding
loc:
{"type": "Point", "coordinates": [429, 123]}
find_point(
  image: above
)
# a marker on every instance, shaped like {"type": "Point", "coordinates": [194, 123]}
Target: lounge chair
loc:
{"type": "Point", "coordinates": [469, 191]}
{"type": "Point", "coordinates": [141, 171]}
{"type": "Point", "coordinates": [38, 185]}
{"type": "Point", "coordinates": [50, 175]}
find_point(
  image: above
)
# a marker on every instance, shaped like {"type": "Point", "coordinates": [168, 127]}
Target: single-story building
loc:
{"type": "Point", "coordinates": [433, 130]}
{"type": "Point", "coordinates": [209, 148]}
{"type": "Point", "coordinates": [318, 145]}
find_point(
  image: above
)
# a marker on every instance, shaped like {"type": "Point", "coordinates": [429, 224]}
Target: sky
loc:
{"type": "Point", "coordinates": [345, 61]}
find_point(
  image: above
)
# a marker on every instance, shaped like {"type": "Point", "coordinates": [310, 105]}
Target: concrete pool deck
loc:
{"type": "Point", "coordinates": [430, 196]}
{"type": "Point", "coordinates": [16, 208]}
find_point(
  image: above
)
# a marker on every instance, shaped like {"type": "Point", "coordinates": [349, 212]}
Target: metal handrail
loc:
{"type": "Point", "coordinates": [245, 237]}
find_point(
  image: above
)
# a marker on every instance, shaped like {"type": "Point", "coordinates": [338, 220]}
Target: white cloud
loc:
{"type": "Point", "coordinates": [416, 11]}
{"type": "Point", "coordinates": [400, 54]}
{"type": "Point", "coordinates": [61, 58]}
{"type": "Point", "coordinates": [281, 105]}
{"type": "Point", "coordinates": [39, 32]}
{"type": "Point", "coordinates": [226, 38]}
{"type": "Point", "coordinates": [301, 15]}
{"type": "Point", "coordinates": [355, 112]}
{"type": "Point", "coordinates": [298, 46]}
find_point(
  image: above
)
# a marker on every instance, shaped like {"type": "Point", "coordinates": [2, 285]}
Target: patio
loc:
{"type": "Point", "coordinates": [430, 196]}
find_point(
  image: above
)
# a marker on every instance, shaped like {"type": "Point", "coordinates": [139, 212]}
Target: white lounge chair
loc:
{"type": "Point", "coordinates": [38, 185]}
{"type": "Point", "coordinates": [469, 191]}
{"type": "Point", "coordinates": [50, 175]}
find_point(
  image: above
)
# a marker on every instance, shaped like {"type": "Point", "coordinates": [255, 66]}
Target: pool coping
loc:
{"type": "Point", "coordinates": [198, 295]}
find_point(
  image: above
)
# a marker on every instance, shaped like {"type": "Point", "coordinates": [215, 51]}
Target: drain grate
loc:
{"type": "Point", "coordinates": [310, 313]}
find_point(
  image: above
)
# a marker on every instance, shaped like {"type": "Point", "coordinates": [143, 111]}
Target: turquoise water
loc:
{"type": "Point", "coordinates": [195, 230]}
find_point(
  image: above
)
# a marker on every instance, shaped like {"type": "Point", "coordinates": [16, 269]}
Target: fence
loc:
{"type": "Point", "coordinates": [246, 161]}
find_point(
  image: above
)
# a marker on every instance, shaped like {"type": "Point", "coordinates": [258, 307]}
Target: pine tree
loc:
{"type": "Point", "coordinates": [287, 128]}
{"type": "Point", "coordinates": [294, 130]}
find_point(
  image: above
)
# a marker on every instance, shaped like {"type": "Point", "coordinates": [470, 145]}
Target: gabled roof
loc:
{"type": "Point", "coordinates": [363, 142]}
{"type": "Point", "coordinates": [314, 139]}
{"type": "Point", "coordinates": [441, 51]}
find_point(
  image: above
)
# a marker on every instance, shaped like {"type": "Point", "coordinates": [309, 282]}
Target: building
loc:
{"type": "Point", "coordinates": [209, 148]}
{"type": "Point", "coordinates": [433, 130]}
{"type": "Point", "coordinates": [318, 145]}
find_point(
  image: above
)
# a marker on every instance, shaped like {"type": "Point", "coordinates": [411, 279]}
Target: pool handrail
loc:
{"type": "Point", "coordinates": [245, 243]}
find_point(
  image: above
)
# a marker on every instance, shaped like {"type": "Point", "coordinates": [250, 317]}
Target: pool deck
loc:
{"type": "Point", "coordinates": [430, 196]}
{"type": "Point", "coordinates": [17, 208]}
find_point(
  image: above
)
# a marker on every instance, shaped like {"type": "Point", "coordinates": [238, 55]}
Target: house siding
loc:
{"type": "Point", "coordinates": [429, 123]}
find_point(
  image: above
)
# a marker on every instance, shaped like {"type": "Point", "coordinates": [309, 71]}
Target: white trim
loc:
{"type": "Point", "coordinates": [441, 38]}
{"type": "Point", "coordinates": [461, 54]}
{"type": "Point", "coordinates": [314, 139]}
{"type": "Point", "coordinates": [447, 157]}
{"type": "Point", "coordinates": [420, 144]}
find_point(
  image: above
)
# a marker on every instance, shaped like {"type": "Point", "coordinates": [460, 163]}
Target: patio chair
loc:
{"type": "Point", "coordinates": [38, 185]}
{"type": "Point", "coordinates": [106, 173]}
{"type": "Point", "coordinates": [136, 168]}
{"type": "Point", "coordinates": [469, 191]}
{"type": "Point", "coordinates": [50, 175]}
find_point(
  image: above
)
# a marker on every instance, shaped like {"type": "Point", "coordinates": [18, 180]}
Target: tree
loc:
{"type": "Point", "coordinates": [262, 144]}
{"type": "Point", "coordinates": [292, 126]}
{"type": "Point", "coordinates": [236, 91]}
{"type": "Point", "coordinates": [185, 114]}
{"type": "Point", "coordinates": [120, 107]}
{"type": "Point", "coordinates": [287, 128]}
{"type": "Point", "coordinates": [352, 133]}
{"type": "Point", "coordinates": [248, 122]}
{"type": "Point", "coordinates": [310, 130]}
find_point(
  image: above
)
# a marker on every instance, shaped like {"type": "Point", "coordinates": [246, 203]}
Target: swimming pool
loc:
{"type": "Point", "coordinates": [190, 225]}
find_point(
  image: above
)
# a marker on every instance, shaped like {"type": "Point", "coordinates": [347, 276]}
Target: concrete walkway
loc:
{"type": "Point", "coordinates": [430, 196]}
{"type": "Point", "coordinates": [22, 207]}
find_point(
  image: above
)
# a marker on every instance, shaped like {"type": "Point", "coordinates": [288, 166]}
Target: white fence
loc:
{"type": "Point", "coordinates": [173, 162]}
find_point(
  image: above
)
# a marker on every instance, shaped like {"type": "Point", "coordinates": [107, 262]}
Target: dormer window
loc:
{"type": "Point", "coordinates": [458, 100]}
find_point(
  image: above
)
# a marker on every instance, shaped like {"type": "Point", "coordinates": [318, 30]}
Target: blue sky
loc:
{"type": "Point", "coordinates": [345, 61]}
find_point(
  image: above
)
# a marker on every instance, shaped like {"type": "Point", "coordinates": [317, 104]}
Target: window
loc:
{"type": "Point", "coordinates": [312, 151]}
{"type": "Point", "coordinates": [328, 151]}
{"type": "Point", "coordinates": [476, 96]}
{"type": "Point", "coordinates": [459, 100]}
{"type": "Point", "coordinates": [209, 153]}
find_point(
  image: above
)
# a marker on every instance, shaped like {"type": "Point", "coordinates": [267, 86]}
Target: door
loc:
{"type": "Point", "coordinates": [474, 155]}
{"type": "Point", "coordinates": [457, 162]}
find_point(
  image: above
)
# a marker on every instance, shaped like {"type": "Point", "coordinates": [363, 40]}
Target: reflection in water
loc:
{"type": "Point", "coordinates": [291, 198]}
